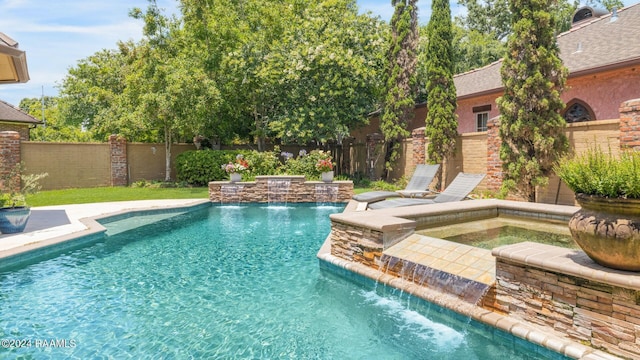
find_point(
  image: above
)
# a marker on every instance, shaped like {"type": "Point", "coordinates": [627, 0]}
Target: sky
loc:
{"type": "Point", "coordinates": [57, 34]}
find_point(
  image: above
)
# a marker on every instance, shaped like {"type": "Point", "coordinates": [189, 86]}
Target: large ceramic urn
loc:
{"type": "Point", "coordinates": [608, 230]}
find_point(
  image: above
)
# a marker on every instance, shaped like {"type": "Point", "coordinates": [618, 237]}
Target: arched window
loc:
{"type": "Point", "coordinates": [578, 111]}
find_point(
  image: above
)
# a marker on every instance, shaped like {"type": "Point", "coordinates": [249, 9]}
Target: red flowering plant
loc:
{"type": "Point", "coordinates": [324, 164]}
{"type": "Point", "coordinates": [240, 166]}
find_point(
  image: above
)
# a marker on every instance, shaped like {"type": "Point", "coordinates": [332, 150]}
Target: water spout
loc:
{"type": "Point", "coordinates": [326, 193]}
{"type": "Point", "coordinates": [278, 190]}
{"type": "Point", "coordinates": [231, 193]}
{"type": "Point", "coordinates": [437, 279]}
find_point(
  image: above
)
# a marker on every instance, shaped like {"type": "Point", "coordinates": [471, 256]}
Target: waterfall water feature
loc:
{"type": "Point", "coordinates": [278, 190]}
{"type": "Point", "coordinates": [326, 193]}
{"type": "Point", "coordinates": [231, 193]}
{"type": "Point", "coordinates": [437, 279]}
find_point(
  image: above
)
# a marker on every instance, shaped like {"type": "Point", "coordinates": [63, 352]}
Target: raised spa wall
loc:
{"type": "Point", "coordinates": [281, 188]}
{"type": "Point", "coordinates": [559, 290]}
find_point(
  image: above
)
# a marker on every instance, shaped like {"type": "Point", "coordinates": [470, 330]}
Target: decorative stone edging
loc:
{"type": "Point", "coordinates": [297, 190]}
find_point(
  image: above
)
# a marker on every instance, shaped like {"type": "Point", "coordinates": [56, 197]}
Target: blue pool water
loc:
{"type": "Point", "coordinates": [225, 282]}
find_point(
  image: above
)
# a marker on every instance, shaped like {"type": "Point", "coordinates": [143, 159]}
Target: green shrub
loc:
{"type": "Point", "coordinates": [602, 174]}
{"type": "Point", "coordinates": [198, 167]}
{"type": "Point", "coordinates": [385, 186]}
{"type": "Point", "coordinates": [263, 163]}
{"type": "Point", "coordinates": [305, 164]}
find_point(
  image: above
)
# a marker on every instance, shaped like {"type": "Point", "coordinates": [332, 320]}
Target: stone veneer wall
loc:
{"type": "Point", "coordinates": [602, 315]}
{"type": "Point", "coordinates": [356, 243]}
{"type": "Point", "coordinates": [299, 190]}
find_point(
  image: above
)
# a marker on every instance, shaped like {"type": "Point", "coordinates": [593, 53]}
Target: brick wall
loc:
{"type": "Point", "coordinates": [630, 124]}
{"type": "Point", "coordinates": [118, 155]}
{"type": "Point", "coordinates": [9, 153]}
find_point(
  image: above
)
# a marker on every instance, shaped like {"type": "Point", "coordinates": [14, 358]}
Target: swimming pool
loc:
{"type": "Point", "coordinates": [226, 282]}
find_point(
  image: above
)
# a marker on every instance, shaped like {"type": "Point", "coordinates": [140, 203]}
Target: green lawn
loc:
{"type": "Point", "coordinates": [103, 194]}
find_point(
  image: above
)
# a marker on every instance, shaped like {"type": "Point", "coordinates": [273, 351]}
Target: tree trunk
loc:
{"type": "Point", "coordinates": [259, 130]}
{"type": "Point", "coordinates": [167, 148]}
{"type": "Point", "coordinates": [444, 173]}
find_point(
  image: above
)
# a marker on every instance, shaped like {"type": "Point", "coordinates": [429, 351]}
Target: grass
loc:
{"type": "Point", "coordinates": [105, 194]}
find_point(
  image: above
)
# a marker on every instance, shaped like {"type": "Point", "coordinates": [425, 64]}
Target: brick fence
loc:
{"type": "Point", "coordinates": [77, 165]}
{"type": "Point", "coordinates": [9, 153]}
{"type": "Point", "coordinates": [626, 135]}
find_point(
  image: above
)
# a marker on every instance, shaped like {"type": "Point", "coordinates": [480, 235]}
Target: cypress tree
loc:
{"type": "Point", "coordinates": [442, 121]}
{"type": "Point", "coordinates": [531, 127]}
{"type": "Point", "coordinates": [400, 78]}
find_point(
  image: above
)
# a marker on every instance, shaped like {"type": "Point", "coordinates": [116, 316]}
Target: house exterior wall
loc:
{"type": "Point", "coordinates": [603, 92]}
{"type": "Point", "coordinates": [23, 130]}
{"type": "Point", "coordinates": [466, 116]}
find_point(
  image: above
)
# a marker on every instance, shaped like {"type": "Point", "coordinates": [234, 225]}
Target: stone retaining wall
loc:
{"type": "Point", "coordinates": [357, 244]}
{"type": "Point", "coordinates": [588, 303]}
{"type": "Point", "coordinates": [289, 189]}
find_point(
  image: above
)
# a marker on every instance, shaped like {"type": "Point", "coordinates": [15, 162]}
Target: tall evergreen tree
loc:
{"type": "Point", "coordinates": [442, 121]}
{"type": "Point", "coordinates": [531, 128]}
{"type": "Point", "coordinates": [400, 92]}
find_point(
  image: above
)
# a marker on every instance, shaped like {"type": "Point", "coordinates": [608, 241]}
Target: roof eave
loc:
{"type": "Point", "coordinates": [481, 93]}
{"type": "Point", "coordinates": [18, 59]}
{"type": "Point", "coordinates": [607, 67]}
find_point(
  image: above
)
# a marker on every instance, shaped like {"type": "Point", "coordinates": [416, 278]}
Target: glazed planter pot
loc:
{"type": "Point", "coordinates": [608, 230]}
{"type": "Point", "coordinates": [14, 220]}
{"type": "Point", "coordinates": [235, 177]}
{"type": "Point", "coordinates": [327, 176]}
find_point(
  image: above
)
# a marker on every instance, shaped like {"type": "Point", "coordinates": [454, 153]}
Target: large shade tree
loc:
{"type": "Point", "coordinates": [293, 70]}
{"type": "Point", "coordinates": [167, 90]}
{"type": "Point", "coordinates": [90, 89]}
{"type": "Point", "coordinates": [442, 122]}
{"type": "Point", "coordinates": [531, 127]}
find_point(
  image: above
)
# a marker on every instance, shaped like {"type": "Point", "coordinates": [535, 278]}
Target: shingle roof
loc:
{"type": "Point", "coordinates": [589, 46]}
{"type": "Point", "coordinates": [10, 113]}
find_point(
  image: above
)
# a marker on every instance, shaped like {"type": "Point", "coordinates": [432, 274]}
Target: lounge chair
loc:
{"type": "Point", "coordinates": [459, 188]}
{"type": "Point", "coordinates": [418, 186]}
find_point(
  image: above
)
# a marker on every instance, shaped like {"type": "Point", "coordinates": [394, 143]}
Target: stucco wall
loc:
{"type": "Point", "coordinates": [68, 165]}
{"type": "Point", "coordinates": [466, 116]}
{"type": "Point", "coordinates": [147, 161]}
{"type": "Point", "coordinates": [603, 92]}
{"type": "Point", "coordinates": [76, 165]}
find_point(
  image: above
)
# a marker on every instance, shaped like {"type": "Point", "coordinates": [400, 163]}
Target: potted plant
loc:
{"type": "Point", "coordinates": [14, 212]}
{"type": "Point", "coordinates": [236, 169]}
{"type": "Point", "coordinates": [607, 227]}
{"type": "Point", "coordinates": [325, 167]}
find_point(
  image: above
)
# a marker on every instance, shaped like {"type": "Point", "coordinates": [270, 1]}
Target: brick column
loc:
{"type": "Point", "coordinates": [494, 164]}
{"type": "Point", "coordinates": [9, 154]}
{"type": "Point", "coordinates": [630, 124]}
{"type": "Point", "coordinates": [419, 146]}
{"type": "Point", "coordinates": [118, 154]}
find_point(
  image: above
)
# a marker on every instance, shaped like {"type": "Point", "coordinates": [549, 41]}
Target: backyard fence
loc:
{"type": "Point", "coordinates": [120, 163]}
